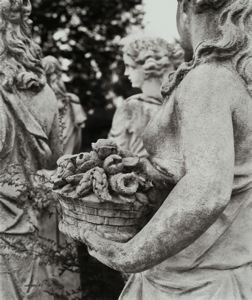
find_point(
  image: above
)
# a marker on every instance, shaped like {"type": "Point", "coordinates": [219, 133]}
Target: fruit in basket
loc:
{"type": "Point", "coordinates": [124, 184]}
{"type": "Point", "coordinates": [102, 190]}
{"type": "Point", "coordinates": [104, 148]}
{"type": "Point", "coordinates": [75, 179]}
{"type": "Point", "coordinates": [85, 185]}
{"type": "Point", "coordinates": [100, 184]}
{"type": "Point", "coordinates": [87, 161]}
{"type": "Point", "coordinates": [113, 164]}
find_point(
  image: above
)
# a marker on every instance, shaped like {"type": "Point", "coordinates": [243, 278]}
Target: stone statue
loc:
{"type": "Point", "coordinates": [198, 244]}
{"type": "Point", "coordinates": [72, 119]}
{"type": "Point", "coordinates": [148, 60]}
{"type": "Point", "coordinates": [71, 112]}
{"type": "Point", "coordinates": [29, 141]}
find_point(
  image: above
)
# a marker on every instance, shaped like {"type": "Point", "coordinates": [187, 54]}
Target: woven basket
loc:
{"type": "Point", "coordinates": [117, 220]}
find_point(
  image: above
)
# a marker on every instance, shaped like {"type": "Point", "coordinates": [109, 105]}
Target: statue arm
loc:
{"type": "Point", "coordinates": [55, 141]}
{"type": "Point", "coordinates": [118, 131]}
{"type": "Point", "coordinates": [3, 124]}
{"type": "Point", "coordinates": [199, 197]}
{"type": "Point", "coordinates": [79, 114]}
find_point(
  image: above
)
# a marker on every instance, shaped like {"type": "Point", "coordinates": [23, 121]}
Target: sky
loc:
{"type": "Point", "coordinates": [160, 18]}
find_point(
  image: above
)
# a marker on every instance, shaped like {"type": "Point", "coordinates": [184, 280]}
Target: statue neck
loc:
{"type": "Point", "coordinates": [203, 27]}
{"type": "Point", "coordinates": [152, 88]}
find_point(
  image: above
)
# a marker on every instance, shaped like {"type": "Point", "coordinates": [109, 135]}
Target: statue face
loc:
{"type": "Point", "coordinates": [134, 72]}
{"type": "Point", "coordinates": [183, 25]}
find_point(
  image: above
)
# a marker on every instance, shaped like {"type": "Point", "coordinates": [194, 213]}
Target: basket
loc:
{"type": "Point", "coordinates": [118, 220]}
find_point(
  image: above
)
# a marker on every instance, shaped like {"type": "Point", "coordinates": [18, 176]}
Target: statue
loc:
{"type": "Point", "coordinates": [72, 119]}
{"type": "Point", "coordinates": [148, 60]}
{"type": "Point", "coordinates": [29, 141]}
{"type": "Point", "coordinates": [71, 112]}
{"type": "Point", "coordinates": [198, 244]}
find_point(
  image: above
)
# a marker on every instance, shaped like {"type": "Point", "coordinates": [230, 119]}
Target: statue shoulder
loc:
{"type": "Point", "coordinates": [136, 97]}
{"type": "Point", "coordinates": [129, 104]}
{"type": "Point", "coordinates": [210, 79]}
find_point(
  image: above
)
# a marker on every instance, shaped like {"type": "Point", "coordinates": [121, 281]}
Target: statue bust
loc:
{"type": "Point", "coordinates": [29, 141]}
{"type": "Point", "coordinates": [148, 60]}
{"type": "Point", "coordinates": [198, 244]}
{"type": "Point", "coordinates": [72, 115]}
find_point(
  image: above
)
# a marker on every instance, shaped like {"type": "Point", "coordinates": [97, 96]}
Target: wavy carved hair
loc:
{"type": "Point", "coordinates": [154, 54]}
{"type": "Point", "coordinates": [234, 42]}
{"type": "Point", "coordinates": [20, 56]}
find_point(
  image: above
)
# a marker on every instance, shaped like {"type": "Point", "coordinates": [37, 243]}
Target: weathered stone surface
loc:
{"type": "Point", "coordinates": [198, 244]}
{"type": "Point", "coordinates": [107, 197]}
{"type": "Point", "coordinates": [29, 141]}
{"type": "Point", "coordinates": [72, 115]}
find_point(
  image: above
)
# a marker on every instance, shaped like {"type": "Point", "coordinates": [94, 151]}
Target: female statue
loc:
{"type": "Point", "coordinates": [148, 60]}
{"type": "Point", "coordinates": [71, 113]}
{"type": "Point", "coordinates": [198, 244]}
{"type": "Point", "coordinates": [29, 141]}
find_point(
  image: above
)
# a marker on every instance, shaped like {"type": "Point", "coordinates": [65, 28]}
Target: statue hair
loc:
{"type": "Point", "coordinates": [234, 42]}
{"type": "Point", "coordinates": [20, 57]}
{"type": "Point", "coordinates": [154, 54]}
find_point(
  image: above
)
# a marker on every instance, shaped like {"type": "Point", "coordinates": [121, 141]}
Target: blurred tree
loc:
{"type": "Point", "coordinates": [84, 35]}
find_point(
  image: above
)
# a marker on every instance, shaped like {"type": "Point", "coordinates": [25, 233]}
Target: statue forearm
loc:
{"type": "Point", "coordinates": [55, 143]}
{"type": "Point", "coordinates": [182, 218]}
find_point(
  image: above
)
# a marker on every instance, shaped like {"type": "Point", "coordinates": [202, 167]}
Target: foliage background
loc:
{"type": "Point", "coordinates": [84, 35]}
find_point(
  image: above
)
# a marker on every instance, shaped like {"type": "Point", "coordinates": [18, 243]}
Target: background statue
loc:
{"type": "Point", "coordinates": [29, 141]}
{"type": "Point", "coordinates": [72, 119]}
{"type": "Point", "coordinates": [72, 115]}
{"type": "Point", "coordinates": [148, 60]}
{"type": "Point", "coordinates": [198, 244]}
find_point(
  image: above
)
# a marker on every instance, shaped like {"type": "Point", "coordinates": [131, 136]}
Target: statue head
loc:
{"type": "Point", "coordinates": [216, 30]}
{"type": "Point", "coordinates": [147, 57]}
{"type": "Point", "coordinates": [53, 73]}
{"type": "Point", "coordinates": [20, 64]}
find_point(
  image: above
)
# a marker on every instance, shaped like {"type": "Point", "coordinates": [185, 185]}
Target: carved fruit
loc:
{"type": "Point", "coordinates": [81, 158]}
{"type": "Point", "coordinates": [100, 184]}
{"type": "Point", "coordinates": [75, 179]}
{"type": "Point", "coordinates": [63, 160]}
{"type": "Point", "coordinates": [113, 164]}
{"type": "Point", "coordinates": [93, 161]}
{"type": "Point", "coordinates": [104, 148]}
{"type": "Point", "coordinates": [69, 170]}
{"type": "Point", "coordinates": [85, 185]}
{"type": "Point", "coordinates": [125, 184]}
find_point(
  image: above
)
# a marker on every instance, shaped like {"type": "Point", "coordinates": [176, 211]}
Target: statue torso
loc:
{"type": "Point", "coordinates": [130, 121]}
{"type": "Point", "coordinates": [27, 145]}
{"type": "Point", "coordinates": [164, 144]}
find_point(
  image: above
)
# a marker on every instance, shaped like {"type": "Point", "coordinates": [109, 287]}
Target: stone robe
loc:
{"type": "Point", "coordinates": [29, 141]}
{"type": "Point", "coordinates": [130, 120]}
